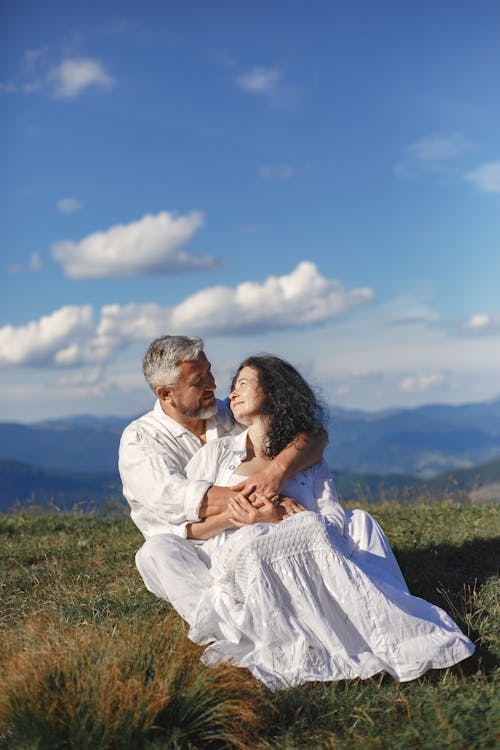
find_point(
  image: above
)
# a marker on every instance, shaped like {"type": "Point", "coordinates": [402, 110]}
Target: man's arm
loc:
{"type": "Point", "coordinates": [298, 455]}
{"type": "Point", "coordinates": [239, 512]}
{"type": "Point", "coordinates": [301, 453]}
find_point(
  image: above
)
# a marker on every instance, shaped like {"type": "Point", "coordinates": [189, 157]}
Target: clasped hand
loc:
{"type": "Point", "coordinates": [242, 512]}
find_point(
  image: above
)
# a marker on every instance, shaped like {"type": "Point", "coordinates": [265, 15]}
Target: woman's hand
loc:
{"type": "Point", "coordinates": [290, 506]}
{"type": "Point", "coordinates": [241, 512]}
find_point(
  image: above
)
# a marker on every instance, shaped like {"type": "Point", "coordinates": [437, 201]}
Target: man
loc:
{"type": "Point", "coordinates": [154, 451]}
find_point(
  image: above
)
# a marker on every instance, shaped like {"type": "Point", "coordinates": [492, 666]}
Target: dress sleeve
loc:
{"type": "Point", "coordinates": [325, 495]}
{"type": "Point", "coordinates": [155, 482]}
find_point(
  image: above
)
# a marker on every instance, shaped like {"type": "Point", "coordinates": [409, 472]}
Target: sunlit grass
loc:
{"type": "Point", "coordinates": [90, 659]}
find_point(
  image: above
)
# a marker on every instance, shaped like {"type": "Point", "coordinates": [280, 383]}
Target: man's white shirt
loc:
{"type": "Point", "coordinates": [153, 454]}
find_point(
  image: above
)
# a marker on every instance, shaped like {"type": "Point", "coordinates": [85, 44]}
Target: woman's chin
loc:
{"type": "Point", "coordinates": [241, 418]}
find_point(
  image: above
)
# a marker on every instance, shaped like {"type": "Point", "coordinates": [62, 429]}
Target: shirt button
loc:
{"type": "Point", "coordinates": [232, 466]}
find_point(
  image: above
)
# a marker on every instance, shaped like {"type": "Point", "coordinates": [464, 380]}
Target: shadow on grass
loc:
{"type": "Point", "coordinates": [457, 579]}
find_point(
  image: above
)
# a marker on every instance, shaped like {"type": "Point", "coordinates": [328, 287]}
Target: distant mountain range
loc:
{"type": "Point", "coordinates": [75, 459]}
{"type": "Point", "coordinates": [421, 442]}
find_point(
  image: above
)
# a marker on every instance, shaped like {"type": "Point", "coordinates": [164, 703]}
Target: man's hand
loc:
{"type": "Point", "coordinates": [265, 483]}
{"type": "Point", "coordinates": [241, 512]}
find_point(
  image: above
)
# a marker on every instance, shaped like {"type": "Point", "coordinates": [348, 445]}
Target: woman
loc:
{"type": "Point", "coordinates": [288, 600]}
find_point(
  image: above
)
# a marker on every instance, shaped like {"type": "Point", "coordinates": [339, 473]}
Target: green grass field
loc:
{"type": "Point", "coordinates": [89, 659]}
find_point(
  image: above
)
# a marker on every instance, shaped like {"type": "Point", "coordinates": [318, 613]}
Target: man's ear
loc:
{"type": "Point", "coordinates": [163, 392]}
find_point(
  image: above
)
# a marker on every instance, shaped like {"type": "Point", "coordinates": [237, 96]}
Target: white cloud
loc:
{"type": "Point", "coordinates": [84, 382]}
{"type": "Point", "coordinates": [151, 245]}
{"type": "Point", "coordinates": [486, 178]}
{"type": "Point", "coordinates": [39, 341]}
{"type": "Point", "coordinates": [421, 383]}
{"type": "Point", "coordinates": [276, 171]}
{"type": "Point", "coordinates": [73, 76]}
{"type": "Point", "coordinates": [69, 205]}
{"type": "Point", "coordinates": [481, 324]}
{"type": "Point", "coordinates": [301, 298]}
{"type": "Point", "coordinates": [67, 337]}
{"type": "Point", "coordinates": [260, 80]}
{"type": "Point", "coordinates": [433, 153]}
{"type": "Point", "coordinates": [438, 148]}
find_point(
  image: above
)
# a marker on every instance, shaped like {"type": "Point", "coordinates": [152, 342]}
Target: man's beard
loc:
{"type": "Point", "coordinates": [204, 412]}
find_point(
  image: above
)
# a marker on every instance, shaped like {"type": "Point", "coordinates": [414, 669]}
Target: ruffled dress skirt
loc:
{"type": "Point", "coordinates": [289, 604]}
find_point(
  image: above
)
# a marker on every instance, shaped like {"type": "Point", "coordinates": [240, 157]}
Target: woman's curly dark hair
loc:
{"type": "Point", "coordinates": [289, 401]}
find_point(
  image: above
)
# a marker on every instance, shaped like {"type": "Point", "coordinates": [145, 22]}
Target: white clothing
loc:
{"type": "Point", "coordinates": [289, 602]}
{"type": "Point", "coordinates": [153, 453]}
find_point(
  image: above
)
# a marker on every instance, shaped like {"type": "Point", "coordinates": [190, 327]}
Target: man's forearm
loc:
{"type": "Point", "coordinates": [301, 453]}
{"type": "Point", "coordinates": [216, 500]}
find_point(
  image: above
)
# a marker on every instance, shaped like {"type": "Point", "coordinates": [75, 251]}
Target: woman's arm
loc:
{"type": "Point", "coordinates": [240, 512]}
{"type": "Point", "coordinates": [209, 527]}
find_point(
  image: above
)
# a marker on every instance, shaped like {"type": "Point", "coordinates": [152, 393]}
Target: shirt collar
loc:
{"type": "Point", "coordinates": [237, 443]}
{"type": "Point", "coordinates": [176, 428]}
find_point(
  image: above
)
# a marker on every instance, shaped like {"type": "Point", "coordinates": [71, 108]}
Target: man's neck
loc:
{"type": "Point", "coordinates": [197, 426]}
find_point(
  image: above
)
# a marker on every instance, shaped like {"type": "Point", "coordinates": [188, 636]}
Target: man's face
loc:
{"type": "Point", "coordinates": [193, 394]}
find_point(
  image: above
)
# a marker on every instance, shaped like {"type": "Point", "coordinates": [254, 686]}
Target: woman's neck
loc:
{"type": "Point", "coordinates": [257, 433]}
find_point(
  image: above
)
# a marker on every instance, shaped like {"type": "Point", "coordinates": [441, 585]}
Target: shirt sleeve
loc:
{"type": "Point", "coordinates": [155, 484]}
{"type": "Point", "coordinates": [325, 495]}
{"type": "Point", "coordinates": [205, 463]}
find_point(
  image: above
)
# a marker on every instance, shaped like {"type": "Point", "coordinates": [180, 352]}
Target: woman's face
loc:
{"type": "Point", "coordinates": [246, 396]}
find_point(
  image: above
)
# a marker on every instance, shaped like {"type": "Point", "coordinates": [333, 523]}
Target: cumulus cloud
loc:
{"type": "Point", "coordinates": [260, 80]}
{"type": "Point", "coordinates": [433, 153]}
{"type": "Point", "coordinates": [67, 337]}
{"type": "Point", "coordinates": [420, 383]}
{"type": "Point", "coordinates": [154, 244]}
{"type": "Point", "coordinates": [39, 341]}
{"type": "Point", "coordinates": [276, 171]}
{"type": "Point", "coordinates": [75, 75]}
{"type": "Point", "coordinates": [481, 324]}
{"type": "Point", "coordinates": [301, 298]}
{"type": "Point", "coordinates": [69, 205]}
{"type": "Point", "coordinates": [486, 178]}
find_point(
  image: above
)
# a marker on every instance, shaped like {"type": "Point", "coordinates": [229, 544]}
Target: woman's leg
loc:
{"type": "Point", "coordinates": [372, 551]}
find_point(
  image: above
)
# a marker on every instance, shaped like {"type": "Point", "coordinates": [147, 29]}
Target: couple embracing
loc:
{"type": "Point", "coordinates": [246, 538]}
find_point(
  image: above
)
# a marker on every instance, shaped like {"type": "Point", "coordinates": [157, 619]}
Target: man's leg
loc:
{"type": "Point", "coordinates": [173, 569]}
{"type": "Point", "coordinates": [372, 551]}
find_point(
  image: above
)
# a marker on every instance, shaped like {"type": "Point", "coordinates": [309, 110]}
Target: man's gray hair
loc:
{"type": "Point", "coordinates": [164, 355]}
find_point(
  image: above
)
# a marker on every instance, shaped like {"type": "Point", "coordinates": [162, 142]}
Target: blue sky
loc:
{"type": "Point", "coordinates": [316, 179]}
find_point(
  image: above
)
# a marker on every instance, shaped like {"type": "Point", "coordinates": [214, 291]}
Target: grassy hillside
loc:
{"type": "Point", "coordinates": [89, 659]}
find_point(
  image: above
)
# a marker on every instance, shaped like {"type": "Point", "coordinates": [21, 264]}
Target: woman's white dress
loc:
{"type": "Point", "coordinates": [289, 603]}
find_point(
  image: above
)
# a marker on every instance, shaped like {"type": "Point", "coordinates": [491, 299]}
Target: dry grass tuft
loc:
{"type": "Point", "coordinates": [86, 687]}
